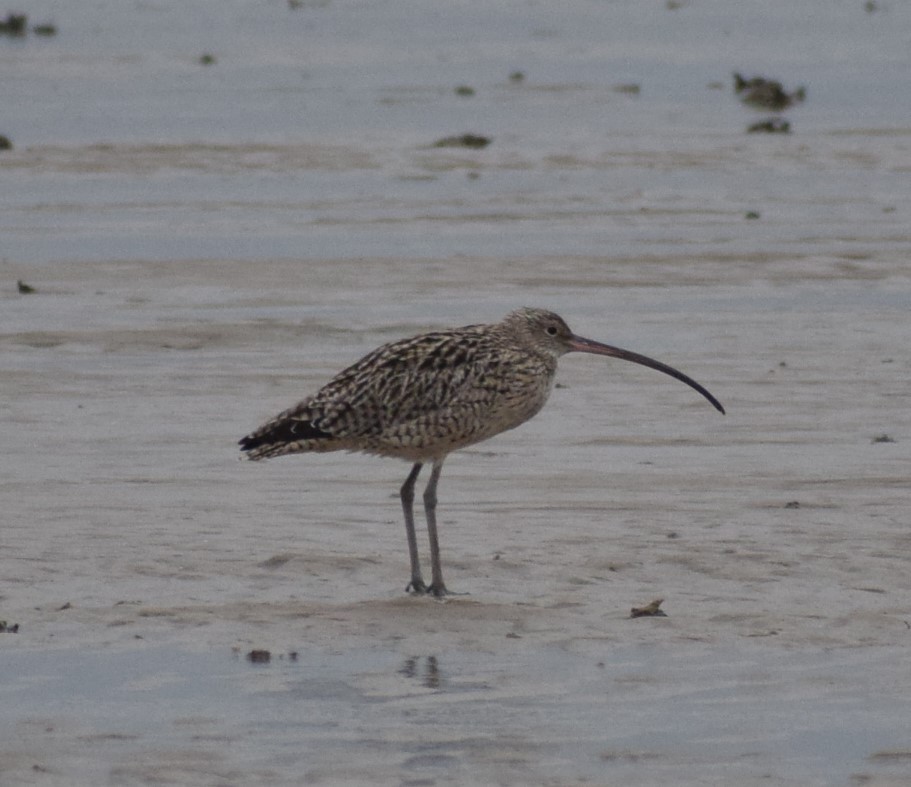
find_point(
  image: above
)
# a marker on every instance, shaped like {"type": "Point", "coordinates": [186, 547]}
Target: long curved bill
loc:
{"type": "Point", "coordinates": [582, 345]}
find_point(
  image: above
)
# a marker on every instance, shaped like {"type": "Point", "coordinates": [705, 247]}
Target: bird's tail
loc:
{"type": "Point", "coordinates": [289, 433]}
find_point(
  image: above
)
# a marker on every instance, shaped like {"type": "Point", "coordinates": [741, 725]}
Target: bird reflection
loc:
{"type": "Point", "coordinates": [426, 669]}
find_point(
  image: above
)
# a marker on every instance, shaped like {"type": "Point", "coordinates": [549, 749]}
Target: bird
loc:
{"type": "Point", "coordinates": [421, 398]}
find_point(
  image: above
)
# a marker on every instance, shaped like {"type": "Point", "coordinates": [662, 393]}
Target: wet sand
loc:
{"type": "Point", "coordinates": [209, 245]}
{"type": "Point", "coordinates": [143, 561]}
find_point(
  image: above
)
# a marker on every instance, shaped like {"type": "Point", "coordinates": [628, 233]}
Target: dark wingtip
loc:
{"type": "Point", "coordinates": [281, 433]}
{"type": "Point", "coordinates": [247, 443]}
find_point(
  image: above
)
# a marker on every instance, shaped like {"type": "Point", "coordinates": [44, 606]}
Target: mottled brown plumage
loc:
{"type": "Point", "coordinates": [421, 398]}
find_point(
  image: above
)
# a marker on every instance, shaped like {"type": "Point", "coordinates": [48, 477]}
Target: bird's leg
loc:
{"type": "Point", "coordinates": [437, 588]}
{"type": "Point", "coordinates": [407, 495]}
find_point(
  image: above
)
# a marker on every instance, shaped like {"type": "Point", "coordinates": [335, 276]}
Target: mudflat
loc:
{"type": "Point", "coordinates": [214, 207]}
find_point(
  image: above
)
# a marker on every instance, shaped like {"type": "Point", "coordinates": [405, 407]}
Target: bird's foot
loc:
{"type": "Point", "coordinates": [438, 591]}
{"type": "Point", "coordinates": [418, 587]}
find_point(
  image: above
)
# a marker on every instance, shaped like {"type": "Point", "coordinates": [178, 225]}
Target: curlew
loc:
{"type": "Point", "coordinates": [422, 398]}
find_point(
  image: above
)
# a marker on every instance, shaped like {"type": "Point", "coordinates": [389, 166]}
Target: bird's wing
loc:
{"type": "Point", "coordinates": [405, 380]}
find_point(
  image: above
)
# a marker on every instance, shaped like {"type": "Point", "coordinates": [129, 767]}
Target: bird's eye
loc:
{"type": "Point", "coordinates": [551, 330]}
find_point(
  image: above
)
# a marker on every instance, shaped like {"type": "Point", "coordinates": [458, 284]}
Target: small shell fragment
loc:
{"type": "Point", "coordinates": [651, 610]}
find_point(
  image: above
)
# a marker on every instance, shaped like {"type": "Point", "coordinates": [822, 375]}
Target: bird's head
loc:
{"type": "Point", "coordinates": [548, 333]}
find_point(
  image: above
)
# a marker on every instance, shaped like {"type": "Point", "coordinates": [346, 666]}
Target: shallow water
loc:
{"type": "Point", "coordinates": [211, 243]}
{"type": "Point", "coordinates": [310, 138]}
{"type": "Point", "coordinates": [613, 715]}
